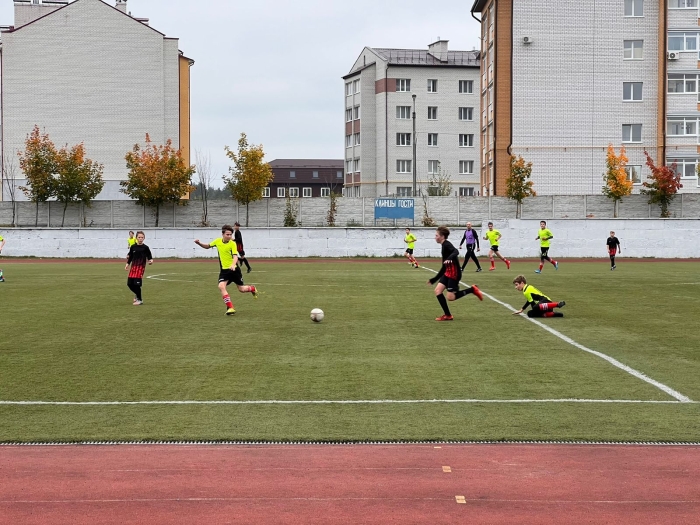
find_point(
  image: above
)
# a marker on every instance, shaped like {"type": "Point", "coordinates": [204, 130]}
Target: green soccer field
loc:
{"type": "Point", "coordinates": [69, 333]}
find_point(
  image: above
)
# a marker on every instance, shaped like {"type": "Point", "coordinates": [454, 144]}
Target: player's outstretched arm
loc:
{"type": "Point", "coordinates": [202, 244]}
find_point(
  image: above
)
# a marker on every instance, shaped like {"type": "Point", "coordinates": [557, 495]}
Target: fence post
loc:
{"type": "Point", "coordinates": [459, 217]}
{"type": "Point", "coordinates": [111, 214]}
{"type": "Point", "coordinates": [144, 215]}
{"type": "Point", "coordinates": [585, 206]}
{"type": "Point", "coordinates": [489, 207]}
{"type": "Point", "coordinates": [363, 212]}
{"type": "Point", "coordinates": [554, 215]}
{"type": "Point", "coordinates": [681, 205]}
{"type": "Point", "coordinates": [48, 213]}
{"type": "Point", "coordinates": [174, 204]}
{"type": "Point", "coordinates": [268, 212]}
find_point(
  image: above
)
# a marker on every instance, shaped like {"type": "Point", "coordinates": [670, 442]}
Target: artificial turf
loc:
{"type": "Point", "coordinates": [70, 333]}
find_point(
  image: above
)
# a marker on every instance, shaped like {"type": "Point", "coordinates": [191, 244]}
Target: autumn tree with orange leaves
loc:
{"type": "Point", "coordinates": [157, 175]}
{"type": "Point", "coordinates": [249, 174]}
{"type": "Point", "coordinates": [518, 184]}
{"type": "Point", "coordinates": [617, 184]}
{"type": "Point", "coordinates": [665, 183]}
{"type": "Point", "coordinates": [78, 179]}
{"type": "Point", "coordinates": [38, 164]}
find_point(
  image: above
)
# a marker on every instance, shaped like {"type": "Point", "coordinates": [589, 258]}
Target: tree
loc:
{"type": "Point", "coordinates": [665, 183]}
{"type": "Point", "coordinates": [38, 163]}
{"type": "Point", "coordinates": [9, 183]}
{"type": "Point", "coordinates": [332, 208]}
{"type": "Point", "coordinates": [291, 209]}
{"type": "Point", "coordinates": [248, 175]}
{"type": "Point", "coordinates": [440, 183]}
{"type": "Point", "coordinates": [204, 181]}
{"type": "Point", "coordinates": [78, 179]}
{"type": "Point", "coordinates": [518, 184]}
{"type": "Point", "coordinates": [157, 175]}
{"type": "Point", "coordinates": [617, 184]}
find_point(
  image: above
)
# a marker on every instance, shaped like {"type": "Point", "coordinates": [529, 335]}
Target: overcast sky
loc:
{"type": "Point", "coordinates": [272, 68]}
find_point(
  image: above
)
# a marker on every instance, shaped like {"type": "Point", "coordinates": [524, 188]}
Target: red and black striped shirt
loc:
{"type": "Point", "coordinates": [450, 263]}
{"type": "Point", "coordinates": [139, 255]}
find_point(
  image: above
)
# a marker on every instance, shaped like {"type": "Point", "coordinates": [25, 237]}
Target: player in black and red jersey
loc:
{"type": "Point", "coordinates": [613, 244]}
{"type": "Point", "coordinates": [139, 255]}
{"type": "Point", "coordinates": [238, 238]}
{"type": "Point", "coordinates": [449, 275]}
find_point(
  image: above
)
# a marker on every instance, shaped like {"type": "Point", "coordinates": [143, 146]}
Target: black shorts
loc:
{"type": "Point", "coordinates": [451, 285]}
{"type": "Point", "coordinates": [241, 253]}
{"type": "Point", "coordinates": [231, 276]}
{"type": "Point", "coordinates": [494, 248]}
{"type": "Point", "coordinates": [409, 251]}
{"type": "Point", "coordinates": [133, 281]}
{"type": "Point", "coordinates": [544, 251]}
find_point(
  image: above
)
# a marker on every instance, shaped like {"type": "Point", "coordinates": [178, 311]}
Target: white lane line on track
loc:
{"type": "Point", "coordinates": [346, 402]}
{"type": "Point", "coordinates": [639, 375]}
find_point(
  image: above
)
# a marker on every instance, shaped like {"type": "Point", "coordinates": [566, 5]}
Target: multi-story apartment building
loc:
{"type": "Point", "coordinates": [560, 82]}
{"type": "Point", "coordinates": [305, 178]}
{"type": "Point", "coordinates": [87, 71]}
{"type": "Point", "coordinates": [383, 90]}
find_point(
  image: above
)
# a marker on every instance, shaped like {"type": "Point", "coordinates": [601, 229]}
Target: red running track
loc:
{"type": "Point", "coordinates": [369, 484]}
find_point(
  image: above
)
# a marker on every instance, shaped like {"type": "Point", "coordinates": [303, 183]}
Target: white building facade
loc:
{"type": "Point", "coordinates": [87, 71]}
{"type": "Point", "coordinates": [382, 90]}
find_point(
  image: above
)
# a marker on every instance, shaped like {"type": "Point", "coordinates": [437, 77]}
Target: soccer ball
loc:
{"type": "Point", "coordinates": [317, 315]}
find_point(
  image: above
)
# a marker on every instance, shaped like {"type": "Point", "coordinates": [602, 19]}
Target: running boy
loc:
{"type": "Point", "coordinates": [139, 254]}
{"type": "Point", "coordinates": [493, 236]}
{"type": "Point", "coordinates": [613, 244]}
{"type": "Point", "coordinates": [449, 275]}
{"type": "Point", "coordinates": [2, 245]}
{"type": "Point", "coordinates": [544, 236]}
{"type": "Point", "coordinates": [472, 239]}
{"type": "Point", "coordinates": [541, 305]}
{"type": "Point", "coordinates": [410, 241]}
{"type": "Point", "coordinates": [239, 246]}
{"type": "Point", "coordinates": [230, 271]}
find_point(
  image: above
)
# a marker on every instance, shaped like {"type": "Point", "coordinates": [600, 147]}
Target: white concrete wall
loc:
{"type": "Point", "coordinates": [572, 238]}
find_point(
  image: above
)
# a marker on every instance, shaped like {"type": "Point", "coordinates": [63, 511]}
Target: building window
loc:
{"type": "Point", "coordinates": [357, 165]}
{"type": "Point", "coordinates": [348, 89]}
{"type": "Point", "coordinates": [356, 192]}
{"type": "Point", "coordinates": [634, 173]}
{"type": "Point", "coordinates": [685, 167]}
{"type": "Point", "coordinates": [403, 139]}
{"type": "Point", "coordinates": [348, 166]}
{"type": "Point", "coordinates": [306, 192]}
{"type": "Point", "coordinates": [356, 86]}
{"type": "Point", "coordinates": [338, 174]}
{"type": "Point", "coordinates": [432, 86]}
{"type": "Point", "coordinates": [357, 139]}
{"type": "Point", "coordinates": [292, 174]}
{"type": "Point", "coordinates": [466, 167]}
{"type": "Point", "coordinates": [631, 133]}
{"type": "Point", "coordinates": [325, 192]}
{"type": "Point", "coordinates": [348, 141]}
{"type": "Point", "coordinates": [433, 166]}
{"type": "Point", "coordinates": [404, 166]}
{"type": "Point", "coordinates": [432, 112]}
{"type": "Point", "coordinates": [403, 191]}
{"type": "Point", "coordinates": [266, 191]}
{"type": "Point", "coordinates": [682, 83]}
{"type": "Point", "coordinates": [466, 86]}
{"type": "Point", "coordinates": [466, 113]}
{"type": "Point", "coordinates": [633, 49]}
{"type": "Point", "coordinates": [403, 112]}
{"type": "Point", "coordinates": [682, 4]}
{"type": "Point", "coordinates": [294, 192]}
{"type": "Point", "coordinates": [348, 115]}
{"type": "Point", "coordinates": [432, 139]}
{"type": "Point", "coordinates": [314, 174]}
{"type": "Point", "coordinates": [356, 112]}
{"type": "Point", "coordinates": [683, 41]}
{"type": "Point", "coordinates": [634, 7]}
{"type": "Point", "coordinates": [466, 191]}
{"type": "Point", "coordinates": [281, 192]}
{"type": "Point", "coordinates": [466, 141]}
{"type": "Point", "coordinates": [632, 91]}
{"type": "Point", "coordinates": [403, 84]}
{"type": "Point", "coordinates": [679, 127]}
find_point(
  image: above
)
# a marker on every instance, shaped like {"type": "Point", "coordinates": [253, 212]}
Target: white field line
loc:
{"type": "Point", "coordinates": [639, 375]}
{"type": "Point", "coordinates": [345, 402]}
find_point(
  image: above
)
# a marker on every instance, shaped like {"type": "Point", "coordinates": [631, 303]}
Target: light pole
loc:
{"type": "Point", "coordinates": [414, 145]}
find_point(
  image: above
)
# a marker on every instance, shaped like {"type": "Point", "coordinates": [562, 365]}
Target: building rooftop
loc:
{"type": "Point", "coordinates": [423, 57]}
{"type": "Point", "coordinates": [307, 163]}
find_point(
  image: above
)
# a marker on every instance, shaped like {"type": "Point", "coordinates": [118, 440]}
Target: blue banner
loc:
{"type": "Point", "coordinates": [393, 209]}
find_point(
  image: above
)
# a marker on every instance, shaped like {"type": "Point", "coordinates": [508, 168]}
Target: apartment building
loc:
{"type": "Point", "coordinates": [87, 71]}
{"type": "Point", "coordinates": [561, 81]}
{"type": "Point", "coordinates": [305, 178]}
{"type": "Point", "coordinates": [387, 92]}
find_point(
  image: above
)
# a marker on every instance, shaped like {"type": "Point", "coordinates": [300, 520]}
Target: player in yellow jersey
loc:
{"type": "Point", "coordinates": [131, 240]}
{"type": "Point", "coordinates": [540, 305]}
{"type": "Point", "coordinates": [2, 245]}
{"type": "Point", "coordinates": [544, 236]}
{"type": "Point", "coordinates": [230, 271]}
{"type": "Point", "coordinates": [410, 241]}
{"type": "Point", "coordinates": [494, 236]}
